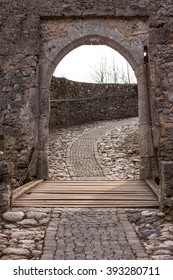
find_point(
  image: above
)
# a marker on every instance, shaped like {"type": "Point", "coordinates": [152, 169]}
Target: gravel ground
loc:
{"type": "Point", "coordinates": [119, 150]}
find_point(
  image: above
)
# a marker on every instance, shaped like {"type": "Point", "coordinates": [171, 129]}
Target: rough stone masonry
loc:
{"type": "Point", "coordinates": [74, 103]}
{"type": "Point", "coordinates": [36, 35]}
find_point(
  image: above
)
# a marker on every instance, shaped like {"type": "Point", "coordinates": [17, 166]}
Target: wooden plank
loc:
{"type": "Point", "coordinates": [74, 201]}
{"type": "Point", "coordinates": [153, 186]}
{"type": "Point", "coordinates": [47, 188]}
{"type": "Point", "coordinates": [95, 181]}
{"type": "Point", "coordinates": [92, 188]}
{"type": "Point", "coordinates": [87, 196]}
{"type": "Point", "coordinates": [91, 192]}
{"type": "Point", "coordinates": [107, 189]}
{"type": "Point", "coordinates": [96, 205]}
{"type": "Point", "coordinates": [90, 206]}
{"type": "Point", "coordinates": [87, 205]}
{"type": "Point", "coordinates": [28, 186]}
{"type": "Point", "coordinates": [93, 184]}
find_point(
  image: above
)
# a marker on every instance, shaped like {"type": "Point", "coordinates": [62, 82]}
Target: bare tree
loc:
{"type": "Point", "coordinates": [104, 73]}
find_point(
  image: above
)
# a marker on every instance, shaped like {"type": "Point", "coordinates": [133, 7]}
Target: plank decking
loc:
{"type": "Point", "coordinates": [88, 194]}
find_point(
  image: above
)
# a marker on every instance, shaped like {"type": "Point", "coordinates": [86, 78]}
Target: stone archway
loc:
{"type": "Point", "coordinates": [56, 45]}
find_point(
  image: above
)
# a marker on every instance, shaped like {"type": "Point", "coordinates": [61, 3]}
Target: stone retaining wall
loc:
{"type": "Point", "coordinates": [75, 103]}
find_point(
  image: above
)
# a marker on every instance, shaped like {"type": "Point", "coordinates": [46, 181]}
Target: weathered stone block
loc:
{"type": "Point", "coordinates": [159, 35]}
{"type": "Point", "coordinates": [5, 187]}
{"type": "Point", "coordinates": [42, 165]}
{"type": "Point", "coordinates": [140, 3]}
{"type": "Point", "coordinates": [13, 216]}
{"type": "Point", "coordinates": [167, 186]}
{"type": "Point", "coordinates": [16, 251]}
{"type": "Point", "coordinates": [145, 168]}
{"type": "Point", "coordinates": [170, 96]}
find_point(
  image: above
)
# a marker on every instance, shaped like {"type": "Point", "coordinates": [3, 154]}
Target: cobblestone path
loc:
{"type": "Point", "coordinates": [98, 151]}
{"type": "Point", "coordinates": [82, 155]}
{"type": "Point", "coordinates": [91, 234]}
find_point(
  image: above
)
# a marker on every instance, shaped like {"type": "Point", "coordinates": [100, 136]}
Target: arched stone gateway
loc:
{"type": "Point", "coordinates": [36, 35]}
{"type": "Point", "coordinates": [56, 47]}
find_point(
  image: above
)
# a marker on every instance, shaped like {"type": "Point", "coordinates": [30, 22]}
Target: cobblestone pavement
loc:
{"type": "Point", "coordinates": [97, 151]}
{"type": "Point", "coordinates": [82, 155]}
{"type": "Point", "coordinates": [59, 142]}
{"type": "Point", "coordinates": [44, 233]}
{"type": "Point", "coordinates": [91, 234]}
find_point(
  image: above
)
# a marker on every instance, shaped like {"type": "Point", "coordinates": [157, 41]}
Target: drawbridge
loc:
{"type": "Point", "coordinates": [92, 194]}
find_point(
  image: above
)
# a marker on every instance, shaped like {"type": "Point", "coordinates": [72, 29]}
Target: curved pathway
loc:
{"type": "Point", "coordinates": [98, 151]}
{"type": "Point", "coordinates": [82, 157]}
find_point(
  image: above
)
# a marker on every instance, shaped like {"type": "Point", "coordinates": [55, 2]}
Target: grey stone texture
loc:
{"type": "Point", "coordinates": [1, 147]}
{"type": "Point", "coordinates": [75, 103]}
{"type": "Point", "coordinates": [118, 151]}
{"type": "Point", "coordinates": [80, 234]}
{"type": "Point", "coordinates": [154, 230]}
{"type": "Point", "coordinates": [5, 186]}
{"type": "Point", "coordinates": [105, 150]}
{"type": "Point", "coordinates": [82, 156]}
{"type": "Point", "coordinates": [167, 185]}
{"type": "Point", "coordinates": [33, 42]}
{"type": "Point", "coordinates": [13, 216]}
{"type": "Point", "coordinates": [20, 238]}
{"type": "Point", "coordinates": [88, 234]}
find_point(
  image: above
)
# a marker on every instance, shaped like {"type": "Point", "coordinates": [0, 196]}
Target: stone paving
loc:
{"type": "Point", "coordinates": [91, 234]}
{"type": "Point", "coordinates": [45, 233]}
{"type": "Point", "coordinates": [32, 233]}
{"type": "Point", "coordinates": [59, 143]}
{"type": "Point", "coordinates": [82, 155]}
{"type": "Point", "coordinates": [97, 151]}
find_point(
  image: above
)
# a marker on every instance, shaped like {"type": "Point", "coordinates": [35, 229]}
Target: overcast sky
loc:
{"type": "Point", "coordinates": [77, 65]}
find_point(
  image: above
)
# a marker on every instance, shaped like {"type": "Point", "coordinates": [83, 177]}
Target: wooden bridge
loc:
{"type": "Point", "coordinates": [106, 194]}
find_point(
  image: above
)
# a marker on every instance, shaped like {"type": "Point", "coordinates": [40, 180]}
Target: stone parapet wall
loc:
{"type": "Point", "coordinates": [74, 103]}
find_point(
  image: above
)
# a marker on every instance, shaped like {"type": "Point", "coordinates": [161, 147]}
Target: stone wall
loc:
{"type": "Point", "coordinates": [75, 103]}
{"type": "Point", "coordinates": [24, 106]}
{"type": "Point", "coordinates": [5, 186]}
{"type": "Point", "coordinates": [36, 35]}
{"type": "Point", "coordinates": [1, 146]}
{"type": "Point", "coordinates": [161, 94]}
